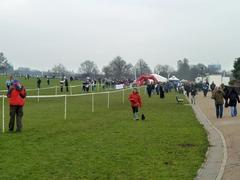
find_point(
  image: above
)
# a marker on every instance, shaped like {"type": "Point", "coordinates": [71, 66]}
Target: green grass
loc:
{"type": "Point", "coordinates": [106, 144]}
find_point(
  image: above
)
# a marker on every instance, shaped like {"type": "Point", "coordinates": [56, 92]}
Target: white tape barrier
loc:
{"type": "Point", "coordinates": [65, 101]}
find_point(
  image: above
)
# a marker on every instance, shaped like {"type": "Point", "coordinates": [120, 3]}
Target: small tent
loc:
{"type": "Point", "coordinates": [173, 78]}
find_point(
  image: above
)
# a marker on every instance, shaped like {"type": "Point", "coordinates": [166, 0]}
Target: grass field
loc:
{"type": "Point", "coordinates": [106, 144]}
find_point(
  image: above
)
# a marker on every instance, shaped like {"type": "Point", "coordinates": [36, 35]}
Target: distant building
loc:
{"type": "Point", "coordinates": [214, 68]}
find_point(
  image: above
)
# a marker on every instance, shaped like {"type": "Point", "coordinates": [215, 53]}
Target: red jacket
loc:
{"type": "Point", "coordinates": [135, 99]}
{"type": "Point", "coordinates": [16, 97]}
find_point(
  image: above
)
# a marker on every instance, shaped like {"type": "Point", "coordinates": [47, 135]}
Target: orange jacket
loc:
{"type": "Point", "coordinates": [135, 99]}
{"type": "Point", "coordinates": [16, 97]}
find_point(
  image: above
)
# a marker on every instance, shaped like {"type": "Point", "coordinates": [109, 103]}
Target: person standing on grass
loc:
{"type": "Point", "coordinates": [161, 91]}
{"type": "Point", "coordinates": [218, 96]}
{"type": "Point", "coordinates": [136, 102]}
{"type": "Point", "coordinates": [149, 89]}
{"type": "Point", "coordinates": [9, 82]}
{"type": "Point", "coordinates": [66, 83]}
{"type": "Point", "coordinates": [16, 98]}
{"type": "Point", "coordinates": [61, 84]}
{"type": "Point", "coordinates": [233, 99]}
{"type": "Point", "coordinates": [39, 82]}
{"type": "Point", "coordinates": [48, 81]}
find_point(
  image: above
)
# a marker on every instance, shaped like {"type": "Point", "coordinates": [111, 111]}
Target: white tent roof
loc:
{"type": "Point", "coordinates": [173, 78]}
{"type": "Point", "coordinates": [159, 78]}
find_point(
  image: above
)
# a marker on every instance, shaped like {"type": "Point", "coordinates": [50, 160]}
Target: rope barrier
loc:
{"type": "Point", "coordinates": [65, 101]}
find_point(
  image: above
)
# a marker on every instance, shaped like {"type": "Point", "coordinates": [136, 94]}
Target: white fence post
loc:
{"type": "Point", "coordinates": [56, 90]}
{"type": "Point", "coordinates": [3, 115]}
{"type": "Point", "coordinates": [65, 107]}
{"type": "Point", "coordinates": [108, 100]}
{"type": "Point", "coordinates": [38, 91]}
{"type": "Point", "coordinates": [92, 102]}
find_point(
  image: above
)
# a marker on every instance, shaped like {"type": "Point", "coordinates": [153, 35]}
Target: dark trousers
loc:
{"type": "Point", "coordinates": [219, 110]}
{"type": "Point", "coordinates": [134, 109]}
{"type": "Point", "coordinates": [16, 112]}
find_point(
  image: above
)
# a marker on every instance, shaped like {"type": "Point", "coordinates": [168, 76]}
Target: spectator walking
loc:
{"type": "Point", "coordinates": [39, 83]}
{"type": "Point", "coordinates": [226, 93]}
{"type": "Point", "coordinates": [218, 96]}
{"type": "Point", "coordinates": [233, 99]}
{"type": "Point", "coordinates": [158, 88]}
{"type": "Point", "coordinates": [136, 102]}
{"type": "Point", "coordinates": [193, 94]}
{"type": "Point", "coordinates": [48, 81]}
{"type": "Point", "coordinates": [9, 82]}
{"type": "Point", "coordinates": [205, 89]}
{"type": "Point", "coordinates": [212, 86]}
{"type": "Point", "coordinates": [149, 89]}
{"type": "Point", "coordinates": [66, 83]}
{"type": "Point", "coordinates": [61, 84]}
{"type": "Point", "coordinates": [16, 98]}
{"type": "Point", "coordinates": [161, 91]}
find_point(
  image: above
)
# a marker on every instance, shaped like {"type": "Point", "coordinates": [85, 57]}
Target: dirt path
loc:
{"type": "Point", "coordinates": [230, 128]}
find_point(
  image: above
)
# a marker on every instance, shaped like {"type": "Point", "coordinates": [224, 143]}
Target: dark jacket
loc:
{"type": "Point", "coordinates": [233, 98]}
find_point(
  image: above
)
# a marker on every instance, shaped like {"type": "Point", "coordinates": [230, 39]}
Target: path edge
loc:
{"type": "Point", "coordinates": [197, 110]}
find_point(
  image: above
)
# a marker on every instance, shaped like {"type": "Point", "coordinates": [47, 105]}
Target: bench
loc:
{"type": "Point", "coordinates": [179, 100]}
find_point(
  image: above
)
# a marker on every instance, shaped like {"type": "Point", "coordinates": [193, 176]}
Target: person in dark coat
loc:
{"type": "Point", "coordinates": [48, 81]}
{"type": "Point", "coordinates": [158, 88]}
{"type": "Point", "coordinates": [66, 83]}
{"type": "Point", "coordinates": [149, 89]}
{"type": "Point", "coordinates": [212, 86]}
{"type": "Point", "coordinates": [193, 93]}
{"type": "Point", "coordinates": [233, 99]}
{"type": "Point", "coordinates": [226, 93]}
{"type": "Point", "coordinates": [39, 82]}
{"type": "Point", "coordinates": [205, 89]}
{"type": "Point", "coordinates": [161, 92]}
{"type": "Point", "coordinates": [187, 88]}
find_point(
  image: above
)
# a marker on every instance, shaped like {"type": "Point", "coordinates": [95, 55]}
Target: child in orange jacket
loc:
{"type": "Point", "coordinates": [136, 102]}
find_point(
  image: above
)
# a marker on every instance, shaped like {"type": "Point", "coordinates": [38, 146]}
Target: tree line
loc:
{"type": "Point", "coordinates": [119, 69]}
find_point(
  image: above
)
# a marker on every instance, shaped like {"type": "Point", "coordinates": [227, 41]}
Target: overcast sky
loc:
{"type": "Point", "coordinates": [41, 33]}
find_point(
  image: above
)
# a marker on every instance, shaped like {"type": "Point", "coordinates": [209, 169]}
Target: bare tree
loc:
{"type": "Point", "coordinates": [59, 70]}
{"type": "Point", "coordinates": [118, 69]}
{"type": "Point", "coordinates": [88, 68]}
{"type": "Point", "coordinates": [5, 67]}
{"type": "Point", "coordinates": [142, 67]}
{"type": "Point", "coordinates": [163, 70]}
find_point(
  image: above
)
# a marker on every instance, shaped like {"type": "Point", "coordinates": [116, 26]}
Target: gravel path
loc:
{"type": "Point", "coordinates": [230, 128]}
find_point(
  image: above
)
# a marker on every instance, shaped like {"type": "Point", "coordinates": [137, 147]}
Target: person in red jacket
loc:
{"type": "Point", "coordinates": [136, 102]}
{"type": "Point", "coordinates": [16, 98]}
